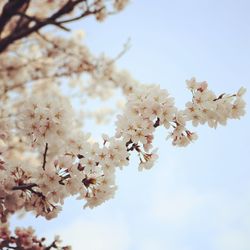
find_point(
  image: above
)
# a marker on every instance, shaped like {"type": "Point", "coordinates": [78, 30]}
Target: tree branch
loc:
{"type": "Point", "coordinates": [29, 186]}
{"type": "Point", "coordinates": [45, 155]}
{"type": "Point", "coordinates": [65, 9]}
{"type": "Point", "coordinates": [86, 13]}
{"type": "Point", "coordinates": [47, 21]}
{"type": "Point", "coordinates": [10, 8]}
{"type": "Point", "coordinates": [25, 186]}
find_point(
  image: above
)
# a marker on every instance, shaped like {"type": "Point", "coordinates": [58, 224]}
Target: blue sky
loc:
{"type": "Point", "coordinates": [196, 197]}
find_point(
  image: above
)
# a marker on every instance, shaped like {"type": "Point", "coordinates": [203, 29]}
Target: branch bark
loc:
{"type": "Point", "coordinates": [12, 8]}
{"type": "Point", "coordinates": [45, 155]}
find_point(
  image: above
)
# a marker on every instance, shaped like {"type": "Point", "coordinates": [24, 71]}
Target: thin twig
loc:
{"type": "Point", "coordinates": [29, 187]}
{"type": "Point", "coordinates": [45, 155]}
{"type": "Point", "coordinates": [37, 20]}
{"type": "Point", "coordinates": [126, 47]}
{"type": "Point", "coordinates": [25, 186]}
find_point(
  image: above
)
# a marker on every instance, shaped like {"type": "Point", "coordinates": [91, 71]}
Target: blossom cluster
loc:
{"type": "Point", "coordinates": [46, 119]}
{"type": "Point", "coordinates": [147, 108]}
{"type": "Point", "coordinates": [25, 239]}
{"type": "Point", "coordinates": [206, 107]}
{"type": "Point", "coordinates": [63, 161]}
{"type": "Point", "coordinates": [45, 153]}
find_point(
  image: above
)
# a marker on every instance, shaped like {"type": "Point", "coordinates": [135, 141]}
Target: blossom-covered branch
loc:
{"type": "Point", "coordinates": [24, 239]}
{"type": "Point", "coordinates": [45, 155]}
{"type": "Point", "coordinates": [74, 165]}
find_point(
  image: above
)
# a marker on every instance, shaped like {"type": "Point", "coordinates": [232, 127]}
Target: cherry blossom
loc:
{"type": "Point", "coordinates": [45, 153]}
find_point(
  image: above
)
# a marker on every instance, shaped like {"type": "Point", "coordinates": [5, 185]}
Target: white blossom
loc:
{"type": "Point", "coordinates": [45, 153]}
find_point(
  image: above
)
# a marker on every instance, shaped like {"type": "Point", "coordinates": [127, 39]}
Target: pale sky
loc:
{"type": "Point", "coordinates": [196, 197]}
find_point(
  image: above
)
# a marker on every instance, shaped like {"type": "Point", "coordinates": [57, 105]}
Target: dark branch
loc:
{"type": "Point", "coordinates": [45, 155]}
{"type": "Point", "coordinates": [46, 21]}
{"type": "Point", "coordinates": [25, 186]}
{"type": "Point", "coordinates": [52, 245]}
{"type": "Point", "coordinates": [157, 122]}
{"type": "Point", "coordinates": [10, 9]}
{"type": "Point", "coordinates": [26, 30]}
{"type": "Point", "coordinates": [29, 186]}
{"type": "Point", "coordinates": [86, 13]}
